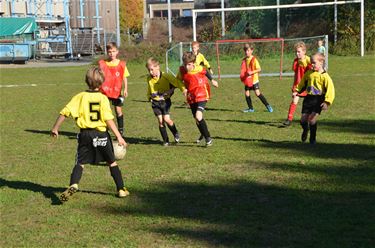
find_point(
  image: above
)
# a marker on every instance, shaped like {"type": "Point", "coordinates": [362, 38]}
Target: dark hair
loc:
{"type": "Point", "coordinates": [111, 45]}
{"type": "Point", "coordinates": [188, 57]}
{"type": "Point", "coordinates": [94, 78]}
{"type": "Point", "coordinates": [248, 46]}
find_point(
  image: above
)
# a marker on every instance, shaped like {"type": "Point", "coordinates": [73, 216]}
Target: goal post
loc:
{"type": "Point", "coordinates": [230, 49]}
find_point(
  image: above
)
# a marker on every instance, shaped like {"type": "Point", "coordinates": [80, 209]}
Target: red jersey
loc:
{"type": "Point", "coordinates": [248, 65]}
{"type": "Point", "coordinates": [299, 68]}
{"type": "Point", "coordinates": [198, 88]}
{"type": "Point", "coordinates": [113, 79]}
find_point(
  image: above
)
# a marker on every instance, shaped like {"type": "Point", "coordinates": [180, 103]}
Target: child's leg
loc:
{"type": "Point", "coordinates": [292, 107]}
{"type": "Point", "coordinates": [172, 127]}
{"type": "Point", "coordinates": [201, 123]}
{"type": "Point", "coordinates": [76, 175]}
{"type": "Point", "coordinates": [305, 126]}
{"type": "Point", "coordinates": [120, 119]}
{"type": "Point", "coordinates": [248, 99]}
{"type": "Point", "coordinates": [261, 97]}
{"type": "Point", "coordinates": [313, 126]}
{"type": "Point", "coordinates": [116, 175]}
{"type": "Point", "coordinates": [162, 129]}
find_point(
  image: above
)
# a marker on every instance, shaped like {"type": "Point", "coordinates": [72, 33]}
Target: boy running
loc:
{"type": "Point", "coordinates": [160, 88]}
{"type": "Point", "coordinates": [198, 92]}
{"type": "Point", "coordinates": [92, 112]}
{"type": "Point", "coordinates": [301, 64]}
{"type": "Point", "coordinates": [320, 95]}
{"type": "Point", "coordinates": [116, 74]}
{"type": "Point", "coordinates": [249, 75]}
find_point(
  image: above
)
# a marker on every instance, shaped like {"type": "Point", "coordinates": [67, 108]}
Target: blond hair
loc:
{"type": "Point", "coordinates": [319, 57]}
{"type": "Point", "coordinates": [188, 57]}
{"type": "Point", "coordinates": [195, 43]}
{"type": "Point", "coordinates": [152, 61]}
{"type": "Point", "coordinates": [248, 46]}
{"type": "Point", "coordinates": [300, 44]}
{"type": "Point", "coordinates": [94, 78]}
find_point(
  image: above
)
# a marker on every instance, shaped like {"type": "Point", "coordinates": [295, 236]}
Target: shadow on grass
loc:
{"type": "Point", "coordinates": [48, 191]}
{"type": "Point", "coordinates": [350, 126]}
{"type": "Point", "coordinates": [267, 123]}
{"type": "Point", "coordinates": [207, 109]}
{"type": "Point", "coordinates": [143, 141]}
{"type": "Point", "coordinates": [70, 135]}
{"type": "Point", "coordinates": [361, 152]}
{"type": "Point", "coordinates": [247, 214]}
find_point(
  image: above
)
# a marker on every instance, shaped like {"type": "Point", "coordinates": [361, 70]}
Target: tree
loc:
{"type": "Point", "coordinates": [131, 15]}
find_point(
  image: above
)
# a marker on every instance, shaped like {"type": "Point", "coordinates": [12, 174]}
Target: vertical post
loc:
{"type": "Point", "coordinates": [326, 46]}
{"type": "Point", "coordinates": [281, 59]}
{"type": "Point", "coordinates": [97, 17]}
{"type": "Point", "coordinates": [12, 9]}
{"type": "Point", "coordinates": [362, 28]}
{"type": "Point", "coordinates": [222, 19]}
{"type": "Point", "coordinates": [67, 28]}
{"type": "Point", "coordinates": [278, 19]}
{"type": "Point", "coordinates": [181, 52]}
{"type": "Point", "coordinates": [81, 17]}
{"type": "Point", "coordinates": [217, 60]}
{"type": "Point", "coordinates": [194, 15]}
{"type": "Point", "coordinates": [335, 24]}
{"type": "Point", "coordinates": [169, 22]}
{"type": "Point", "coordinates": [118, 40]}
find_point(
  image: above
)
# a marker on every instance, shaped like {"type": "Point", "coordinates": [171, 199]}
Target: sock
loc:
{"type": "Point", "coordinates": [117, 177]}
{"type": "Point", "coordinates": [120, 124]}
{"type": "Point", "coordinates": [173, 129]}
{"type": "Point", "coordinates": [164, 135]}
{"type": "Point", "coordinates": [292, 109]}
{"type": "Point", "coordinates": [248, 101]}
{"type": "Point", "coordinates": [313, 129]}
{"type": "Point", "coordinates": [203, 126]}
{"type": "Point", "coordinates": [305, 126]}
{"type": "Point", "coordinates": [263, 99]}
{"type": "Point", "coordinates": [76, 175]}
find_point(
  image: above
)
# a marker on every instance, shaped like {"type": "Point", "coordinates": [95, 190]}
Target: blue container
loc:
{"type": "Point", "coordinates": [15, 52]}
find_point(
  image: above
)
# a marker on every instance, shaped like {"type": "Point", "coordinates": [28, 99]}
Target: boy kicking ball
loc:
{"type": "Point", "coordinates": [93, 115]}
{"type": "Point", "coordinates": [320, 95]}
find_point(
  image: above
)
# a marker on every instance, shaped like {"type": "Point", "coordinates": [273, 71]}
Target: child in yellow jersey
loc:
{"type": "Point", "coordinates": [249, 75]}
{"type": "Point", "coordinates": [116, 74]}
{"type": "Point", "coordinates": [160, 88]}
{"type": "Point", "coordinates": [320, 95]}
{"type": "Point", "coordinates": [202, 61]}
{"type": "Point", "coordinates": [92, 112]}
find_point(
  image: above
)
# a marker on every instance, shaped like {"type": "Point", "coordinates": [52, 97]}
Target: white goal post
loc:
{"type": "Point", "coordinates": [302, 5]}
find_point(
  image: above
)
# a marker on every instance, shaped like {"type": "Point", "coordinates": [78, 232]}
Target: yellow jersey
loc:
{"type": "Point", "coordinates": [90, 109]}
{"type": "Point", "coordinates": [158, 86]}
{"type": "Point", "coordinates": [316, 84]}
{"type": "Point", "coordinates": [202, 61]}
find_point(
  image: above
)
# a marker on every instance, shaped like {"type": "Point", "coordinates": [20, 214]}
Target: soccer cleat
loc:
{"type": "Point", "coordinates": [123, 193]}
{"type": "Point", "coordinates": [248, 110]}
{"type": "Point", "coordinates": [68, 192]}
{"type": "Point", "coordinates": [177, 138]}
{"type": "Point", "coordinates": [166, 144]}
{"type": "Point", "coordinates": [199, 139]}
{"type": "Point", "coordinates": [209, 142]}
{"type": "Point", "coordinates": [287, 122]}
{"type": "Point", "coordinates": [269, 108]}
{"type": "Point", "coordinates": [304, 135]}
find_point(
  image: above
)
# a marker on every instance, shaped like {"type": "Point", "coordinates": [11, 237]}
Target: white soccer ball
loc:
{"type": "Point", "coordinates": [120, 151]}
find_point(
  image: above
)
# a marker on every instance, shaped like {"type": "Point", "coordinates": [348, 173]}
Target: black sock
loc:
{"type": "Point", "coordinates": [173, 129]}
{"type": "Point", "coordinates": [120, 124]}
{"type": "Point", "coordinates": [117, 177]}
{"type": "Point", "coordinates": [163, 132]}
{"type": "Point", "coordinates": [305, 126]}
{"type": "Point", "coordinates": [263, 99]}
{"type": "Point", "coordinates": [313, 129]}
{"type": "Point", "coordinates": [248, 101]}
{"type": "Point", "coordinates": [203, 126]}
{"type": "Point", "coordinates": [76, 175]}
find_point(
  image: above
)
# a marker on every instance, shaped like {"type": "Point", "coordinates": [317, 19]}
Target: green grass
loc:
{"type": "Point", "coordinates": [257, 186]}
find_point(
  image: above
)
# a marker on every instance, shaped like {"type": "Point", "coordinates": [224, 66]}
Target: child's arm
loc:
{"type": "Point", "coordinates": [56, 126]}
{"type": "Point", "coordinates": [111, 124]}
{"type": "Point", "coordinates": [125, 81]}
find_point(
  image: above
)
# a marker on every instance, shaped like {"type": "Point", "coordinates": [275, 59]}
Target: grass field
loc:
{"type": "Point", "coordinates": [257, 186]}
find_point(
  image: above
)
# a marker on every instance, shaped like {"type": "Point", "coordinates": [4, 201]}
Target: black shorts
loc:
{"type": "Point", "coordinates": [254, 87]}
{"type": "Point", "coordinates": [161, 107]}
{"type": "Point", "coordinates": [197, 106]}
{"type": "Point", "coordinates": [312, 104]}
{"type": "Point", "coordinates": [94, 147]}
{"type": "Point", "coordinates": [119, 102]}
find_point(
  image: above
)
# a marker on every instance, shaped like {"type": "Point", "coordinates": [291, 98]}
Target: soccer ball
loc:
{"type": "Point", "coordinates": [120, 151]}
